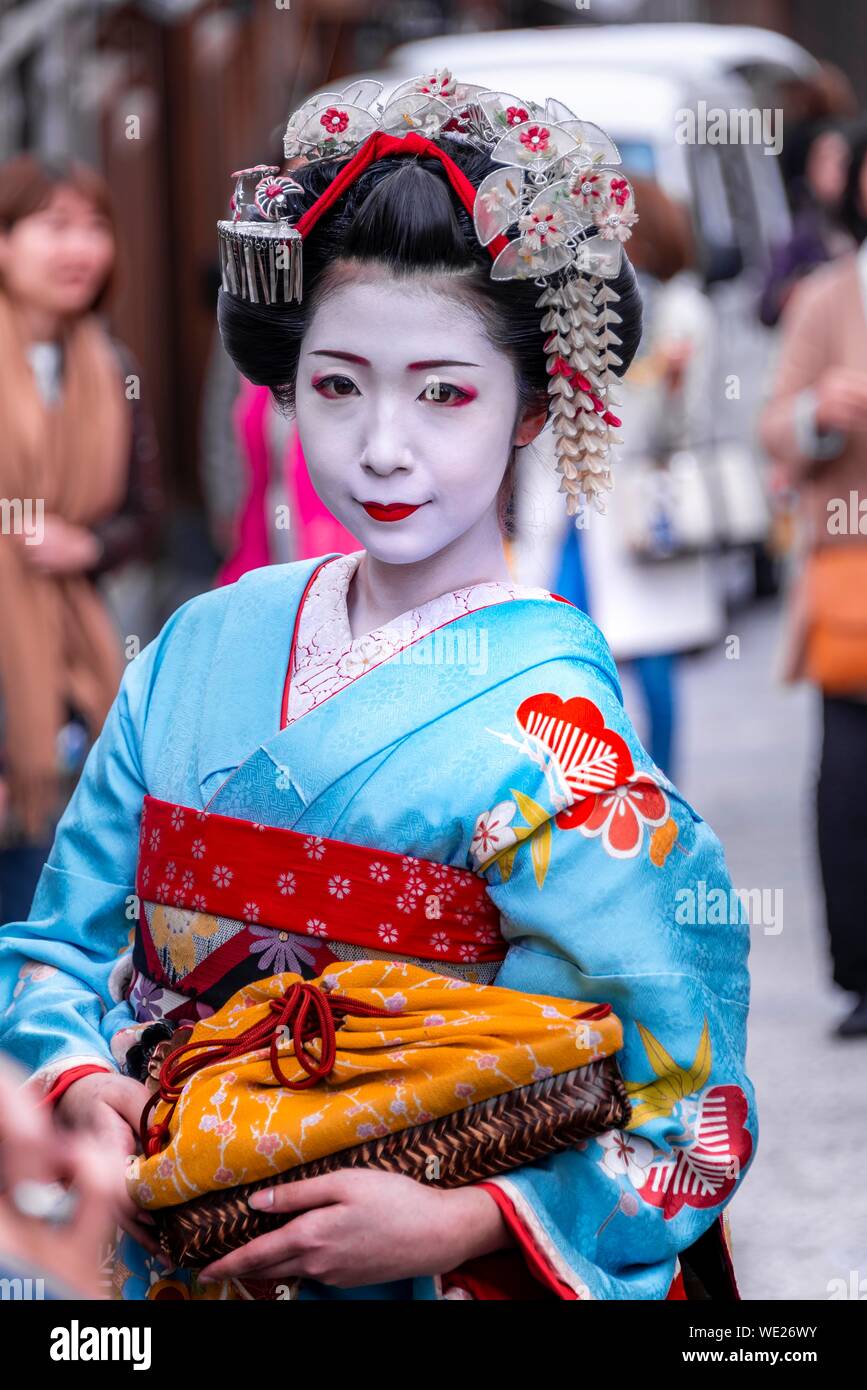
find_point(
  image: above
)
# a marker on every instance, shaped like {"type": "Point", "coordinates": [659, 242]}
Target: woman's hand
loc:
{"type": "Point", "coordinates": [65, 548]}
{"type": "Point", "coordinates": [109, 1106]}
{"type": "Point", "coordinates": [360, 1226]}
{"type": "Point", "coordinates": [841, 400]}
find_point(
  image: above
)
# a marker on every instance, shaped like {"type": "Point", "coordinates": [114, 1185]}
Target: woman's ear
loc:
{"type": "Point", "coordinates": [530, 425]}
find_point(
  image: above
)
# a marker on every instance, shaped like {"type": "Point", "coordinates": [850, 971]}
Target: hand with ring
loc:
{"type": "Point", "coordinates": [57, 1193]}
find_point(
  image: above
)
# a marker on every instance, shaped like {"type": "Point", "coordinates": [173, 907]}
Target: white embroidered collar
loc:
{"type": "Point", "coordinates": [326, 617]}
{"type": "Point", "coordinates": [327, 656]}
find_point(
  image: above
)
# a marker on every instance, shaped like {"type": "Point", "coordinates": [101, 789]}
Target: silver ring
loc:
{"type": "Point", "coordinates": [44, 1201]}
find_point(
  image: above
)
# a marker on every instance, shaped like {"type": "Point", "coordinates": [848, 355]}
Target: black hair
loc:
{"type": "Point", "coordinates": [795, 153]}
{"type": "Point", "coordinates": [853, 212]}
{"type": "Point", "coordinates": [402, 213]}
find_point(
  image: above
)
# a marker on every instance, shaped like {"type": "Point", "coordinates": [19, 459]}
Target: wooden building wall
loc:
{"type": "Point", "coordinates": [211, 95]}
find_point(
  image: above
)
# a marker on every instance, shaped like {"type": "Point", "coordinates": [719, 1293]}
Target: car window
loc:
{"type": "Point", "coordinates": [639, 157]}
{"type": "Point", "coordinates": [734, 160]}
{"type": "Point", "coordinates": [710, 203]}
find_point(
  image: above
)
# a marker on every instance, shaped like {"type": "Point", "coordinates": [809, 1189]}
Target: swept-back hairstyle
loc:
{"type": "Point", "coordinates": [401, 213]}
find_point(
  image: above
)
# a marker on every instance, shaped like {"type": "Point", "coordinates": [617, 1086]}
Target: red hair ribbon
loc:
{"type": "Point", "coordinates": [305, 1009]}
{"type": "Point", "coordinates": [376, 146]}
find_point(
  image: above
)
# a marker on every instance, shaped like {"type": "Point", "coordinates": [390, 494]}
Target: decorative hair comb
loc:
{"type": "Point", "coordinates": [557, 183]}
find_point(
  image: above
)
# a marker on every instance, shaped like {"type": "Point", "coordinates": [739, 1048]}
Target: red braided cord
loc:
{"type": "Point", "coordinates": [293, 1011]}
{"type": "Point", "coordinates": [376, 146]}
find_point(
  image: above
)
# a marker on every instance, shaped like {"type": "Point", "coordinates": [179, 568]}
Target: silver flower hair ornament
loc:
{"type": "Point", "coordinates": [557, 184]}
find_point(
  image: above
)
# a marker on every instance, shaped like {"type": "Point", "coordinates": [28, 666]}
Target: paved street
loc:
{"type": "Point", "coordinates": [748, 753]}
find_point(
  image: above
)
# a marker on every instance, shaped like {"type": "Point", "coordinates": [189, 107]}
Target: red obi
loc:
{"type": "Point", "coordinates": [225, 901]}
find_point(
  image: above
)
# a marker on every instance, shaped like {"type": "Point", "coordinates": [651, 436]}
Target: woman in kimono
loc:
{"type": "Point", "coordinates": [400, 754]}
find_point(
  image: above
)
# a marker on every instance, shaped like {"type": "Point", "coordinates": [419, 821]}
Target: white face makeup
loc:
{"type": "Point", "coordinates": [402, 398]}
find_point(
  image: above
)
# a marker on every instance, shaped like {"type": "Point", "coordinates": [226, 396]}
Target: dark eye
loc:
{"type": "Point", "coordinates": [443, 393]}
{"type": "Point", "coordinates": [334, 387]}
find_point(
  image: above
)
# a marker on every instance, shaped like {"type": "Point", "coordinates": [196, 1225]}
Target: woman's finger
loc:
{"type": "Point", "coordinates": [132, 1211]}
{"type": "Point", "coordinates": [143, 1234]}
{"type": "Point", "coordinates": [274, 1247]}
{"type": "Point", "coordinates": [287, 1269]}
{"type": "Point", "coordinates": [112, 1129]}
{"type": "Point", "coordinates": [129, 1100]}
{"type": "Point", "coordinates": [301, 1195]}
{"type": "Point", "coordinates": [129, 1215]}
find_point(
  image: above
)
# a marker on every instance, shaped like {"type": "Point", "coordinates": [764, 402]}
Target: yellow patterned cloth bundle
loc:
{"type": "Point", "coordinates": [320, 1079]}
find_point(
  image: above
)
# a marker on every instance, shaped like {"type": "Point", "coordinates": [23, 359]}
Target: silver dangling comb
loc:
{"type": "Point", "coordinates": [260, 251]}
{"type": "Point", "coordinates": [573, 213]}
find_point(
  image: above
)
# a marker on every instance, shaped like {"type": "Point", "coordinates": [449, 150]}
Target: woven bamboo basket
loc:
{"type": "Point", "coordinates": [477, 1142]}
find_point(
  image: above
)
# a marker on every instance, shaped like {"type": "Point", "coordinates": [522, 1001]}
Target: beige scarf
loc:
{"type": "Point", "coordinates": [58, 646]}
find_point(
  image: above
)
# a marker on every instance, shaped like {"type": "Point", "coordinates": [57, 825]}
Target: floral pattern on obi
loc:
{"type": "Point", "coordinates": [225, 902]}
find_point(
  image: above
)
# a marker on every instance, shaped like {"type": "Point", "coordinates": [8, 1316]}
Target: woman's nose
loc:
{"type": "Point", "coordinates": [386, 448]}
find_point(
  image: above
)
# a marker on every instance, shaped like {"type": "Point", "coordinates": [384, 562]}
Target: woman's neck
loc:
{"type": "Point", "coordinates": [379, 592]}
{"type": "Point", "coordinates": [38, 325]}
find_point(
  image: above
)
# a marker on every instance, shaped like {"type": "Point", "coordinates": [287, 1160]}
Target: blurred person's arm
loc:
{"type": "Point", "coordinates": [678, 410]}
{"type": "Point", "coordinates": [813, 404]}
{"type": "Point", "coordinates": [790, 263]}
{"type": "Point", "coordinates": [815, 441]}
{"type": "Point", "coordinates": [686, 323]}
{"type": "Point", "coordinates": [68, 547]}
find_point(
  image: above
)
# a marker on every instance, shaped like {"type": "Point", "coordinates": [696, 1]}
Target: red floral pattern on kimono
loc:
{"type": "Point", "coordinates": [620, 816]}
{"type": "Point", "coordinates": [591, 777]}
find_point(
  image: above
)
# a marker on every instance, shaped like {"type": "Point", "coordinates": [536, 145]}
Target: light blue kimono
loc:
{"type": "Point", "coordinates": [482, 753]}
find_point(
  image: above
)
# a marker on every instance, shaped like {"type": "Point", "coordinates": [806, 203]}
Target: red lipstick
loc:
{"type": "Point", "coordinates": [392, 511]}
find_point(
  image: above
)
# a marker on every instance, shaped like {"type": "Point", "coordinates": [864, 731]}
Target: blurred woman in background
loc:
{"type": "Point", "coordinates": [816, 159]}
{"type": "Point", "coordinates": [80, 494]}
{"type": "Point", "coordinates": [815, 429]}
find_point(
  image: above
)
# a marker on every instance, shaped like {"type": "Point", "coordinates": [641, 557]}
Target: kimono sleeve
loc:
{"type": "Point", "coordinates": [63, 971]}
{"type": "Point", "coordinates": [623, 896]}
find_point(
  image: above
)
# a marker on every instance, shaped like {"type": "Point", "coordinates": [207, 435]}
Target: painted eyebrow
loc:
{"type": "Point", "coordinates": [412, 366]}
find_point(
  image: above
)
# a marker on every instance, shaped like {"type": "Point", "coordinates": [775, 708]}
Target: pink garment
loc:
{"type": "Point", "coordinates": [316, 531]}
{"type": "Point", "coordinates": [249, 418]}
